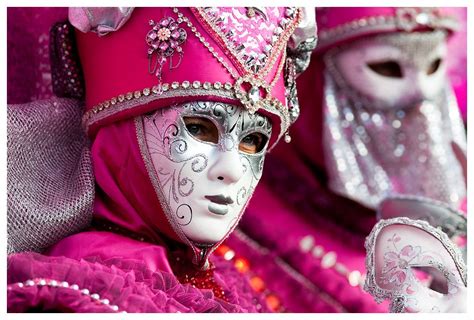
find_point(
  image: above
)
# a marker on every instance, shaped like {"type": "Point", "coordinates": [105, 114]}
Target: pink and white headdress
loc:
{"type": "Point", "coordinates": [163, 56]}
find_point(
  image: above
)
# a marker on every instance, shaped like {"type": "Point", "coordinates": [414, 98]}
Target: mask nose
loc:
{"type": "Point", "coordinates": [413, 88]}
{"type": "Point", "coordinates": [227, 167]}
{"type": "Point", "coordinates": [423, 85]}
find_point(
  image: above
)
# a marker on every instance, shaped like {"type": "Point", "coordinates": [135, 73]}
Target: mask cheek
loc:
{"type": "Point", "coordinates": [208, 229]}
{"type": "Point", "coordinates": [245, 187]}
{"type": "Point", "coordinates": [182, 187]}
{"type": "Point", "coordinates": [431, 85]}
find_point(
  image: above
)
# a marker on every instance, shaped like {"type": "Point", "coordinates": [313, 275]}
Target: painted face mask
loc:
{"type": "Point", "coordinates": [391, 119]}
{"type": "Point", "coordinates": [208, 158]}
{"type": "Point", "coordinates": [400, 253]}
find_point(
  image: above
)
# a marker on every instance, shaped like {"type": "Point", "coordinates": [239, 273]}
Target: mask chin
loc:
{"type": "Point", "coordinates": [206, 233]}
{"type": "Point", "coordinates": [395, 70]}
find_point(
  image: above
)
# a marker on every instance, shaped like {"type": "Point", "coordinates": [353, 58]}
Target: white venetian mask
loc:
{"type": "Point", "coordinates": [208, 158]}
{"type": "Point", "coordinates": [395, 70]}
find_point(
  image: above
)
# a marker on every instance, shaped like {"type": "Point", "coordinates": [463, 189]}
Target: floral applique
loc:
{"type": "Point", "coordinates": [164, 40]}
{"type": "Point", "coordinates": [398, 262]}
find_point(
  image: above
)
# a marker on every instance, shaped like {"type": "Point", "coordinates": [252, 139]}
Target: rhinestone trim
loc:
{"type": "Point", "coordinates": [206, 44]}
{"type": "Point", "coordinates": [276, 51]}
{"type": "Point", "coordinates": [406, 19]}
{"type": "Point", "coordinates": [154, 93]}
{"type": "Point", "coordinates": [179, 89]}
{"type": "Point", "coordinates": [277, 45]}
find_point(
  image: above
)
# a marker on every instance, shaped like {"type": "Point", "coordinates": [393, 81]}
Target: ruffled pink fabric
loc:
{"type": "Point", "coordinates": [122, 251]}
{"type": "Point", "coordinates": [92, 243]}
{"type": "Point", "coordinates": [126, 283]}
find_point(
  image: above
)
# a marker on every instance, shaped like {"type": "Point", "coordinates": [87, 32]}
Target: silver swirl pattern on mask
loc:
{"type": "Point", "coordinates": [184, 214]}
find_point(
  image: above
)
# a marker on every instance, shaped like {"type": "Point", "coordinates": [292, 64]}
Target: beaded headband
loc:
{"type": "Point", "coordinates": [341, 24]}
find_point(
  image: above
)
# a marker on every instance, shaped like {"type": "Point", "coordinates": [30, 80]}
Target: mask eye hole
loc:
{"type": "Point", "coordinates": [202, 129]}
{"type": "Point", "coordinates": [432, 278]}
{"type": "Point", "coordinates": [253, 143]}
{"type": "Point", "coordinates": [434, 66]}
{"type": "Point", "coordinates": [389, 69]}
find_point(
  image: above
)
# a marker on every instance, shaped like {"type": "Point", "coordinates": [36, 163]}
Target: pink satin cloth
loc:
{"type": "Point", "coordinates": [118, 284]}
{"type": "Point", "coordinates": [125, 195]}
{"type": "Point", "coordinates": [126, 198]}
{"type": "Point", "coordinates": [106, 245]}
